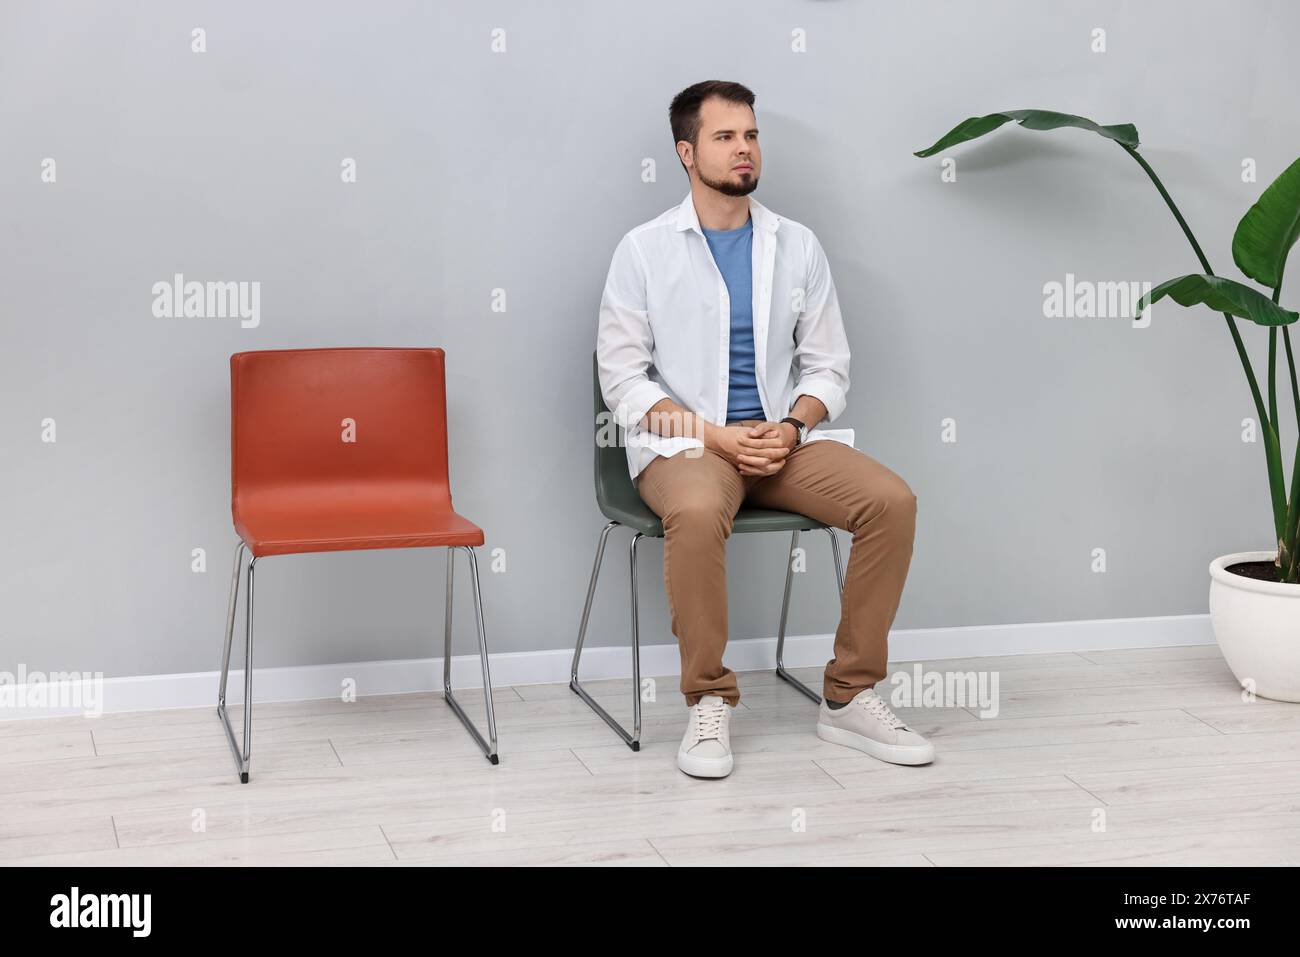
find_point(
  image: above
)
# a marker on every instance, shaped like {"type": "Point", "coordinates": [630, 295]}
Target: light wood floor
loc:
{"type": "Point", "coordinates": [1156, 745]}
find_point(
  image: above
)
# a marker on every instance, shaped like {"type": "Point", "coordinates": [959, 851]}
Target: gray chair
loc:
{"type": "Point", "coordinates": [621, 503]}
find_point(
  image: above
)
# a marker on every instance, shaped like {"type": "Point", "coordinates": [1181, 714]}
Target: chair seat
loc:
{"type": "Point", "coordinates": [332, 519]}
{"type": "Point", "coordinates": [639, 516]}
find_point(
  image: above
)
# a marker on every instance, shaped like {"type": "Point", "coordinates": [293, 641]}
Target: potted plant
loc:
{"type": "Point", "coordinates": [1254, 595]}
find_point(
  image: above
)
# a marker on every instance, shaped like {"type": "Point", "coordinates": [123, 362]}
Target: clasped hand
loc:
{"type": "Point", "coordinates": [757, 449]}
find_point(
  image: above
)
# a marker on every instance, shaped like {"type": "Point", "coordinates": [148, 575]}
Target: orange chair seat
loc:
{"type": "Point", "coordinates": [330, 518]}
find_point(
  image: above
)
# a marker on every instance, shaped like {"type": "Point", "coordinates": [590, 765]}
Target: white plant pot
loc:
{"type": "Point", "coordinates": [1257, 625]}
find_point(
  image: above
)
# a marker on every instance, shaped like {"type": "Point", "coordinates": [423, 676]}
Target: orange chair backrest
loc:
{"type": "Point", "coordinates": [311, 418]}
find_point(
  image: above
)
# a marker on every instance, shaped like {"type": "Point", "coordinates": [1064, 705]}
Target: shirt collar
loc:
{"type": "Point", "coordinates": [762, 217]}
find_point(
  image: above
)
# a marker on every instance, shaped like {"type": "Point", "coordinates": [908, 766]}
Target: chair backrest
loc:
{"type": "Point", "coordinates": [306, 418]}
{"type": "Point", "coordinates": [613, 483]}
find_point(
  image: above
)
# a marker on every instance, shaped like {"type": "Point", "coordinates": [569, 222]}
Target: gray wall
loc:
{"type": "Point", "coordinates": [521, 171]}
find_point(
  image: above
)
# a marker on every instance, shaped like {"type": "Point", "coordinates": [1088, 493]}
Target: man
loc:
{"type": "Point", "coordinates": [720, 350]}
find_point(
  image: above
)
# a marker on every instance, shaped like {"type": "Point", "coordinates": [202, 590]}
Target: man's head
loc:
{"type": "Point", "coordinates": [717, 136]}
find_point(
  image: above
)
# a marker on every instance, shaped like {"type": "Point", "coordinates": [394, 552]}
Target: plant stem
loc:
{"type": "Point", "coordinates": [1292, 537]}
{"type": "Point", "coordinates": [1290, 541]}
{"type": "Point", "coordinates": [1272, 382]}
{"type": "Point", "coordinates": [1290, 362]}
{"type": "Point", "coordinates": [1287, 551]}
{"type": "Point", "coordinates": [1272, 447]}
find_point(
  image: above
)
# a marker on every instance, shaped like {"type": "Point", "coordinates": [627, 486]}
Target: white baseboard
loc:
{"type": "Point", "coordinates": [156, 692]}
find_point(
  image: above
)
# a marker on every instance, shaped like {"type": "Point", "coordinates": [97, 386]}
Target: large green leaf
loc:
{"type": "Point", "coordinates": [1221, 295]}
{"type": "Point", "coordinates": [974, 127]}
{"type": "Point", "coordinates": [1269, 229]}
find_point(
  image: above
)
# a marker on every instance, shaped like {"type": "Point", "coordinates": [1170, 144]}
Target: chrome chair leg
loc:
{"type": "Point", "coordinates": [230, 620]}
{"type": "Point", "coordinates": [839, 566]}
{"type": "Point", "coordinates": [488, 747]}
{"type": "Point", "coordinates": [242, 759]}
{"type": "Point", "coordinates": [636, 647]}
{"type": "Point", "coordinates": [780, 635]}
{"type": "Point", "coordinates": [632, 740]}
{"type": "Point", "coordinates": [785, 609]}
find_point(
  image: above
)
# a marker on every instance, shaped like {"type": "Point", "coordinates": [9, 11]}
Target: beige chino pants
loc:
{"type": "Point", "coordinates": [697, 496]}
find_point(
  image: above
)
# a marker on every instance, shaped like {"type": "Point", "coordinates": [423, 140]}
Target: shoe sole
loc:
{"type": "Point", "coordinates": [704, 767]}
{"type": "Point", "coordinates": [892, 753]}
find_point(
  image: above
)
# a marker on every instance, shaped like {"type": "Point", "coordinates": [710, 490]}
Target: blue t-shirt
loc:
{"type": "Point", "coordinates": [732, 251]}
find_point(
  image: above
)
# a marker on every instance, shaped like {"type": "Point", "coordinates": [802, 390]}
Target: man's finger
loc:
{"type": "Point", "coordinates": [763, 466]}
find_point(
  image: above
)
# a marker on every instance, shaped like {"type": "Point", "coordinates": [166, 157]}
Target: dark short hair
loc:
{"type": "Point", "coordinates": [684, 113]}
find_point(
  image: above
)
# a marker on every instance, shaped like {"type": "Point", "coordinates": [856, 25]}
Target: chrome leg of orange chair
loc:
{"type": "Point", "coordinates": [488, 747]}
{"type": "Point", "coordinates": [230, 618]}
{"type": "Point", "coordinates": [241, 758]}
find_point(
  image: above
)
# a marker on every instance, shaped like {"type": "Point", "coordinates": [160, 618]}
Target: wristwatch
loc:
{"type": "Point", "coordinates": [800, 427]}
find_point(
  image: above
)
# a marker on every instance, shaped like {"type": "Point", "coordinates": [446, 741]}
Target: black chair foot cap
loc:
{"type": "Point", "coordinates": [635, 745]}
{"type": "Point", "coordinates": [495, 759]}
{"type": "Point", "coordinates": [243, 777]}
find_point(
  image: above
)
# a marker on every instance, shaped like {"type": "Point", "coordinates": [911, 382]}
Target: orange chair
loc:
{"type": "Point", "coordinates": [341, 449]}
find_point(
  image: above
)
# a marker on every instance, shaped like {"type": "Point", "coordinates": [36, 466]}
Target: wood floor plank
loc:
{"type": "Point", "coordinates": [1221, 694]}
{"type": "Point", "coordinates": [171, 721]}
{"type": "Point", "coordinates": [1226, 779]}
{"type": "Point", "coordinates": [290, 787]}
{"type": "Point", "coordinates": [1114, 754]}
{"type": "Point", "coordinates": [629, 852]}
{"type": "Point", "coordinates": [340, 803]}
{"type": "Point", "coordinates": [1167, 653]}
{"type": "Point", "coordinates": [833, 837]}
{"type": "Point", "coordinates": [60, 745]}
{"type": "Point", "coordinates": [357, 845]}
{"type": "Point", "coordinates": [1246, 719]}
{"type": "Point", "coordinates": [66, 835]}
{"type": "Point", "coordinates": [216, 759]}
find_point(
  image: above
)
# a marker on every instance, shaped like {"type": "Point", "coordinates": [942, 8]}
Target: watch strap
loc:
{"type": "Point", "coordinates": [800, 428]}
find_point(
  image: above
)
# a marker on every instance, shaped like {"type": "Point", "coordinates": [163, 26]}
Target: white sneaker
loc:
{"type": "Point", "coordinates": [867, 724]}
{"type": "Point", "coordinates": [706, 747]}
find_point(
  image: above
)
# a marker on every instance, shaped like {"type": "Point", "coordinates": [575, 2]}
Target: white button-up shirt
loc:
{"type": "Point", "coordinates": [665, 322]}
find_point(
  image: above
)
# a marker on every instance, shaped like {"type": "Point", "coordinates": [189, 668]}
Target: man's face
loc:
{"type": "Point", "coordinates": [726, 156]}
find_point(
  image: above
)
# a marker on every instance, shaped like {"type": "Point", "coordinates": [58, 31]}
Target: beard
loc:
{"type": "Point", "coordinates": [748, 183]}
